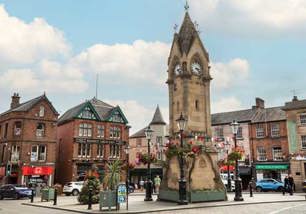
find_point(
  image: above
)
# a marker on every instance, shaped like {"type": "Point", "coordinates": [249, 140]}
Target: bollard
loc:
{"type": "Point", "coordinates": [251, 190]}
{"type": "Point", "coordinates": [32, 195]}
{"type": "Point", "coordinates": [55, 197]}
{"type": "Point", "coordinates": [90, 199]}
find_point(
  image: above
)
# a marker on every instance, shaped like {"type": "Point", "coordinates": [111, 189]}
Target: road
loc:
{"type": "Point", "coordinates": [15, 207]}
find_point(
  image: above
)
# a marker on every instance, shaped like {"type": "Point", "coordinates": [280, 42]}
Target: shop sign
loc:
{"type": "Point", "coordinates": [121, 193]}
{"type": "Point", "coordinates": [37, 170]}
{"type": "Point", "coordinates": [272, 166]}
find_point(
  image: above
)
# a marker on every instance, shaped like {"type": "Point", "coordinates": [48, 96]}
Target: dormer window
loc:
{"type": "Point", "coordinates": [41, 111]}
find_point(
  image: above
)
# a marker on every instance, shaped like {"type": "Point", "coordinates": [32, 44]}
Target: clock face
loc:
{"type": "Point", "coordinates": [196, 68]}
{"type": "Point", "coordinates": [178, 69]}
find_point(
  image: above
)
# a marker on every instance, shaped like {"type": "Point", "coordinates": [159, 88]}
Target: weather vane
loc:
{"type": "Point", "coordinates": [186, 6]}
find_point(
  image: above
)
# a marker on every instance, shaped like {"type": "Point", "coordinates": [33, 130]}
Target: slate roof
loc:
{"type": "Point", "coordinates": [269, 114]}
{"type": "Point", "coordinates": [102, 109]}
{"type": "Point", "coordinates": [228, 117]}
{"type": "Point", "coordinates": [295, 104]}
{"type": "Point", "coordinates": [139, 134]}
{"type": "Point", "coordinates": [26, 106]}
{"type": "Point", "coordinates": [157, 118]}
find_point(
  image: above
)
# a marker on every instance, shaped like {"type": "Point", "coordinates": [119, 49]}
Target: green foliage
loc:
{"type": "Point", "coordinates": [236, 155]}
{"type": "Point", "coordinates": [112, 177]}
{"type": "Point", "coordinates": [91, 182]}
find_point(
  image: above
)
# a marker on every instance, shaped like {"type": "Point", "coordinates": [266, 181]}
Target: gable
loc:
{"type": "Point", "coordinates": [117, 116]}
{"type": "Point", "coordinates": [88, 113]}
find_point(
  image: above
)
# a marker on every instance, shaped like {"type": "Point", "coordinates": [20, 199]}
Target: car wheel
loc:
{"type": "Point", "coordinates": [75, 192]}
{"type": "Point", "coordinates": [16, 196]}
{"type": "Point", "coordinates": [280, 189]}
{"type": "Point", "coordinates": [258, 189]}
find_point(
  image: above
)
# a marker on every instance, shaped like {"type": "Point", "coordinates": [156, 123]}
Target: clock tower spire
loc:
{"type": "Point", "coordinates": [189, 81]}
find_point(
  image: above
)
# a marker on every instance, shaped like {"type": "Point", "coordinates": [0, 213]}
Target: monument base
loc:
{"type": "Point", "coordinates": [193, 196]}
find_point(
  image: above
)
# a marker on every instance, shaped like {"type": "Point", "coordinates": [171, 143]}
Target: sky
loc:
{"type": "Point", "coordinates": [256, 47]}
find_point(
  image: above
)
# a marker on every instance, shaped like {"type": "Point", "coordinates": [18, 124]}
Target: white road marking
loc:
{"type": "Point", "coordinates": [285, 208]}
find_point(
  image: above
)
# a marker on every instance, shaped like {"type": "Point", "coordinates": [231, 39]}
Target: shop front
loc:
{"type": "Point", "coordinates": [277, 171]}
{"type": "Point", "coordinates": [37, 175]}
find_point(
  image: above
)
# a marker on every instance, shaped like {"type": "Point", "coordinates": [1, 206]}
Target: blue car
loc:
{"type": "Point", "coordinates": [13, 191]}
{"type": "Point", "coordinates": [269, 184]}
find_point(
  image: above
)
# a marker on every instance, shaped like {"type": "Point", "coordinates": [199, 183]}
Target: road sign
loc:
{"type": "Point", "coordinates": [121, 193]}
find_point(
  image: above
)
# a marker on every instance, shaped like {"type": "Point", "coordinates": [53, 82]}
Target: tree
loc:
{"type": "Point", "coordinates": [92, 182]}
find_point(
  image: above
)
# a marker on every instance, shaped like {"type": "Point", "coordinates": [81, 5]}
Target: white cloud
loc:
{"type": "Point", "coordinates": [226, 104]}
{"type": "Point", "coordinates": [139, 62]}
{"type": "Point", "coordinates": [22, 42]}
{"type": "Point", "coordinates": [225, 74]}
{"type": "Point", "coordinates": [251, 17]}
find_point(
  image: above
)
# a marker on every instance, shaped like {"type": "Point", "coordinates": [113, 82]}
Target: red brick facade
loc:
{"type": "Point", "coordinates": [18, 136]}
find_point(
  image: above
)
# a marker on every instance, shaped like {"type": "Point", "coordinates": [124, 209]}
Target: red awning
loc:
{"type": "Point", "coordinates": [224, 168]}
{"type": "Point", "coordinates": [2, 171]}
{"type": "Point", "coordinates": [37, 170]}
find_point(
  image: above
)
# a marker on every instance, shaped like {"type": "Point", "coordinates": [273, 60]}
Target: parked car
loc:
{"type": "Point", "coordinates": [14, 191]}
{"type": "Point", "coordinates": [304, 186]}
{"type": "Point", "coordinates": [269, 184]}
{"type": "Point", "coordinates": [73, 188]}
{"type": "Point", "coordinates": [131, 189]}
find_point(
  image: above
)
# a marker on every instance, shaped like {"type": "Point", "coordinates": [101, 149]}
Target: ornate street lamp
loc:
{"type": "Point", "coordinates": [238, 195]}
{"type": "Point", "coordinates": [149, 186]}
{"type": "Point", "coordinates": [227, 146]}
{"type": "Point", "coordinates": [127, 152]}
{"type": "Point", "coordinates": [181, 123]}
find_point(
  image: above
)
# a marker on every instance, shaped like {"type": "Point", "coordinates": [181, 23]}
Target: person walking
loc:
{"type": "Point", "coordinates": [291, 184]}
{"type": "Point", "coordinates": [157, 181]}
{"type": "Point", "coordinates": [286, 185]}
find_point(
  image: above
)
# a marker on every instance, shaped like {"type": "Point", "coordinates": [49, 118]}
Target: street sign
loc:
{"type": "Point", "coordinates": [121, 193]}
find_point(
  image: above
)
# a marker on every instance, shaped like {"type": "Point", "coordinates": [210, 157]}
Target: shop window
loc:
{"type": "Point", "coordinates": [84, 150]}
{"type": "Point", "coordinates": [303, 143]}
{"type": "Point", "coordinates": [277, 153]}
{"type": "Point", "coordinates": [114, 151]}
{"type": "Point", "coordinates": [261, 154]}
{"type": "Point", "coordinates": [260, 132]}
{"type": "Point", "coordinates": [85, 130]}
{"type": "Point", "coordinates": [38, 153]}
{"type": "Point", "coordinates": [40, 130]}
{"type": "Point", "coordinates": [41, 111]}
{"type": "Point", "coordinates": [303, 119]}
{"type": "Point", "coordinates": [100, 150]}
{"type": "Point", "coordinates": [17, 128]}
{"type": "Point", "coordinates": [15, 153]}
{"type": "Point", "coordinates": [275, 130]}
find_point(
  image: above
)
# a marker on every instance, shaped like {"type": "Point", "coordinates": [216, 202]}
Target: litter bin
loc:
{"type": "Point", "coordinates": [47, 194]}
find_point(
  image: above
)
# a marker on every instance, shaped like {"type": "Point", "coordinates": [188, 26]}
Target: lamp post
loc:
{"type": "Point", "coordinates": [238, 195]}
{"type": "Point", "coordinates": [127, 152]}
{"type": "Point", "coordinates": [148, 133]}
{"type": "Point", "coordinates": [181, 123]}
{"type": "Point", "coordinates": [229, 182]}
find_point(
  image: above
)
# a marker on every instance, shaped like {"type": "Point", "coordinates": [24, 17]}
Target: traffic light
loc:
{"type": "Point", "coordinates": [8, 169]}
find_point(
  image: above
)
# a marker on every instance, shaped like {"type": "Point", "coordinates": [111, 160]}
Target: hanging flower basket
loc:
{"type": "Point", "coordinates": [235, 155]}
{"type": "Point", "coordinates": [145, 159]}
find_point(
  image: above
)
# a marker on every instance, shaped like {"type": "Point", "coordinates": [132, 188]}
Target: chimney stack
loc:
{"type": "Point", "coordinates": [294, 98]}
{"type": "Point", "coordinates": [260, 103]}
{"type": "Point", "coordinates": [15, 100]}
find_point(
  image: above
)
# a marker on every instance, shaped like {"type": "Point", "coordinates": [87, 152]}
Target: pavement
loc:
{"type": "Point", "coordinates": [137, 204]}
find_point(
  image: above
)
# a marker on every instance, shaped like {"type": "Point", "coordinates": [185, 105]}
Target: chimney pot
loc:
{"type": "Point", "coordinates": [260, 103]}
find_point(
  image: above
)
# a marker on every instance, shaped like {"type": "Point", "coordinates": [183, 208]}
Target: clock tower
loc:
{"type": "Point", "coordinates": [189, 81]}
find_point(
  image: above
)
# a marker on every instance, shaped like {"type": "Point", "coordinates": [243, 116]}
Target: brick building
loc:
{"type": "Point", "coordinates": [296, 124]}
{"type": "Point", "coordinates": [139, 145]}
{"type": "Point", "coordinates": [28, 141]}
{"type": "Point", "coordinates": [92, 132]}
{"type": "Point", "coordinates": [269, 143]}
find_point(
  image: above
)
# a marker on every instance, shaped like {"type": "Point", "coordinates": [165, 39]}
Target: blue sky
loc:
{"type": "Point", "coordinates": [256, 49]}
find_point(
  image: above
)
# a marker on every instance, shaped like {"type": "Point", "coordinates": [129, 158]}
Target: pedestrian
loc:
{"type": "Point", "coordinates": [141, 184]}
{"type": "Point", "coordinates": [291, 184]}
{"type": "Point", "coordinates": [157, 181]}
{"type": "Point", "coordinates": [286, 185]}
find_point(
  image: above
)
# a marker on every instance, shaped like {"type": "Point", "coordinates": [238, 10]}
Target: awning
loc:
{"type": "Point", "coordinates": [37, 170]}
{"type": "Point", "coordinates": [224, 168]}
